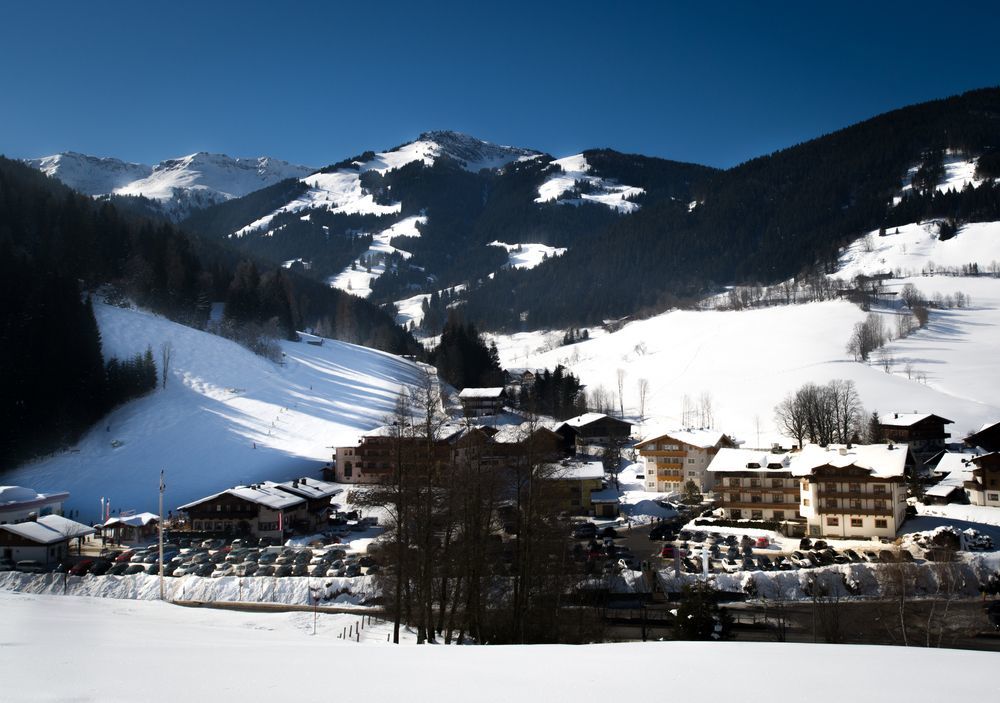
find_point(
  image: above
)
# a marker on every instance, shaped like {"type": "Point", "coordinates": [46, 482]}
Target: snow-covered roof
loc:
{"type": "Point", "coordinates": [444, 432]}
{"type": "Point", "coordinates": [729, 459]}
{"type": "Point", "coordinates": [65, 526]}
{"type": "Point", "coordinates": [953, 461]}
{"type": "Point", "coordinates": [136, 520]}
{"type": "Point", "coordinates": [909, 419]}
{"type": "Point", "coordinates": [481, 392]}
{"type": "Point", "coordinates": [576, 470]}
{"type": "Point", "coordinates": [512, 434]}
{"type": "Point", "coordinates": [882, 460]}
{"type": "Point", "coordinates": [19, 496]}
{"type": "Point", "coordinates": [703, 438]}
{"type": "Point", "coordinates": [36, 532]}
{"type": "Point", "coordinates": [311, 488]}
{"type": "Point", "coordinates": [953, 480]}
{"type": "Point", "coordinates": [266, 494]}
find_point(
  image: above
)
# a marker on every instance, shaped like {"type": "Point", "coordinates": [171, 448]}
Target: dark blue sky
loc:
{"type": "Point", "coordinates": [314, 82]}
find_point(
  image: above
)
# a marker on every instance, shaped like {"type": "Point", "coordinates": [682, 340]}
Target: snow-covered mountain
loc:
{"type": "Point", "coordinates": [177, 185]}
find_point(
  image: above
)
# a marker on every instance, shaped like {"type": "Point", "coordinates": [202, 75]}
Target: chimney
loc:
{"type": "Point", "coordinates": [895, 416]}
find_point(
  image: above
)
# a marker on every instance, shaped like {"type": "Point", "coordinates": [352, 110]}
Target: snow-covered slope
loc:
{"type": "Point", "coordinates": [340, 191]}
{"type": "Point", "coordinates": [916, 248]}
{"type": "Point", "coordinates": [197, 180]}
{"type": "Point", "coordinates": [959, 171]}
{"type": "Point", "coordinates": [358, 277]}
{"type": "Point", "coordinates": [574, 170]}
{"type": "Point", "coordinates": [225, 417]}
{"type": "Point", "coordinates": [747, 361]}
{"type": "Point", "coordinates": [528, 256]}
{"type": "Point", "coordinates": [41, 633]}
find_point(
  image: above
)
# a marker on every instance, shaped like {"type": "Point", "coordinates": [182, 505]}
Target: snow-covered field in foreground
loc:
{"type": "Point", "coordinates": [274, 656]}
{"type": "Point", "coordinates": [225, 417]}
{"type": "Point", "coordinates": [749, 360]}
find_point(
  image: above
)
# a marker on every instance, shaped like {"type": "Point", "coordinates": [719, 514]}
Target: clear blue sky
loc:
{"type": "Point", "coordinates": [314, 82]}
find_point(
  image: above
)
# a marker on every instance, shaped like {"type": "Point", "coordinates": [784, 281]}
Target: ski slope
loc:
{"type": "Point", "coordinates": [358, 280]}
{"type": "Point", "coordinates": [226, 417]}
{"type": "Point", "coordinates": [275, 656]}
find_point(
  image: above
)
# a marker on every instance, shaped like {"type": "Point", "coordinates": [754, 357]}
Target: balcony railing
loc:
{"type": "Point", "coordinates": [823, 509]}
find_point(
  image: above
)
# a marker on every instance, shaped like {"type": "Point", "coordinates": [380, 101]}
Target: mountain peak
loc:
{"type": "Point", "coordinates": [474, 153]}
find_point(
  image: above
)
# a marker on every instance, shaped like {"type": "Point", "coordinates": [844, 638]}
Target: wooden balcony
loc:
{"type": "Point", "coordinates": [824, 510]}
{"type": "Point", "coordinates": [862, 494]}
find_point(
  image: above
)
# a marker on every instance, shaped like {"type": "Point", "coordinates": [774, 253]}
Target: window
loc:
{"type": "Point", "coordinates": [734, 482]}
{"type": "Point", "coordinates": [775, 483]}
{"type": "Point", "coordinates": [779, 514]}
{"type": "Point", "coordinates": [878, 488]}
{"type": "Point", "coordinates": [805, 502]}
{"type": "Point", "coordinates": [734, 497]}
{"type": "Point", "coordinates": [754, 482]}
{"type": "Point", "coordinates": [854, 487]}
{"type": "Point", "coordinates": [692, 473]}
{"type": "Point", "coordinates": [855, 504]}
{"type": "Point", "coordinates": [757, 514]}
{"type": "Point", "coordinates": [777, 498]}
{"type": "Point", "coordinates": [690, 460]}
{"type": "Point", "coordinates": [737, 514]}
{"type": "Point", "coordinates": [857, 522]}
{"type": "Point", "coordinates": [755, 499]}
{"type": "Point", "coordinates": [218, 507]}
{"type": "Point", "coordinates": [833, 522]}
{"type": "Point", "coordinates": [197, 525]}
{"type": "Point", "coordinates": [348, 469]}
{"type": "Point", "coordinates": [993, 496]}
{"type": "Point", "coordinates": [829, 486]}
{"type": "Point", "coordinates": [881, 524]}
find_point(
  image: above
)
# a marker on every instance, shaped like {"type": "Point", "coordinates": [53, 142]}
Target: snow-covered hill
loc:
{"type": "Point", "coordinates": [225, 417]}
{"type": "Point", "coordinates": [747, 361]}
{"type": "Point", "coordinates": [340, 191]}
{"type": "Point", "coordinates": [574, 175]}
{"type": "Point", "coordinates": [178, 185]}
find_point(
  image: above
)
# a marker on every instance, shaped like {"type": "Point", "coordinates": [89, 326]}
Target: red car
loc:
{"type": "Point", "coordinates": [81, 568]}
{"type": "Point", "coordinates": [125, 556]}
{"type": "Point", "coordinates": [667, 552]}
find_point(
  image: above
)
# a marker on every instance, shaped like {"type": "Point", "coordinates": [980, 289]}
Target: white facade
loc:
{"type": "Point", "coordinates": [20, 504]}
{"type": "Point", "coordinates": [672, 459]}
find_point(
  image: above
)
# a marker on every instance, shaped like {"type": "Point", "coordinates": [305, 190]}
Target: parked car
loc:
{"type": "Point", "coordinates": [763, 543]}
{"type": "Point", "coordinates": [886, 556]}
{"type": "Point", "coordinates": [283, 570]}
{"type": "Point", "coordinates": [805, 543]}
{"type": "Point", "coordinates": [224, 570]}
{"type": "Point", "coordinates": [300, 569]}
{"type": "Point", "coordinates": [119, 568]}
{"type": "Point", "coordinates": [81, 568]}
{"type": "Point", "coordinates": [764, 563]}
{"type": "Point", "coordinates": [205, 569]}
{"type": "Point", "coordinates": [853, 555]}
{"type": "Point", "coordinates": [30, 566]}
{"type": "Point", "coordinates": [135, 568]}
{"type": "Point", "coordinates": [100, 567]}
{"type": "Point", "coordinates": [6, 565]}
{"type": "Point", "coordinates": [125, 556]}
{"type": "Point", "coordinates": [905, 555]}
{"type": "Point", "coordinates": [871, 556]}
{"type": "Point", "coordinates": [609, 532]}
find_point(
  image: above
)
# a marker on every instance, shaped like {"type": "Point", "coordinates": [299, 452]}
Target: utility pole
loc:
{"type": "Point", "coordinates": [160, 523]}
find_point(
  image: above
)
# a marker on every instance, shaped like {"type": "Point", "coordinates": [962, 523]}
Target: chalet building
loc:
{"type": "Point", "coordinates": [847, 491]}
{"type": "Point", "coordinates": [259, 510]}
{"type": "Point", "coordinates": [46, 540]}
{"type": "Point", "coordinates": [20, 504]}
{"type": "Point", "coordinates": [922, 432]}
{"type": "Point", "coordinates": [987, 438]}
{"type": "Point", "coordinates": [131, 529]}
{"type": "Point", "coordinates": [572, 486]}
{"type": "Point", "coordinates": [756, 485]}
{"type": "Point", "coordinates": [374, 458]}
{"type": "Point", "coordinates": [673, 458]}
{"type": "Point", "coordinates": [953, 471]}
{"type": "Point", "coordinates": [983, 487]}
{"type": "Point", "coordinates": [596, 428]}
{"type": "Point", "coordinates": [477, 402]}
{"type": "Point", "coordinates": [317, 494]}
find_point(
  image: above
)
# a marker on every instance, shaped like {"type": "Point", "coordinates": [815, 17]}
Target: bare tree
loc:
{"type": "Point", "coordinates": [705, 409]}
{"type": "Point", "coordinates": [866, 337]}
{"type": "Point", "coordinates": [166, 353]}
{"type": "Point", "coordinates": [620, 376]}
{"type": "Point", "coordinates": [643, 395]}
{"type": "Point", "coordinates": [790, 417]}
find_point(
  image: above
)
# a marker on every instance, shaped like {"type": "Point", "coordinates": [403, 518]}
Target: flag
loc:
{"type": "Point", "coordinates": [281, 524]}
{"type": "Point", "coordinates": [162, 486]}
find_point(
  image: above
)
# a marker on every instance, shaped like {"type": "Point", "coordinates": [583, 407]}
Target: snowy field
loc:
{"type": "Point", "coordinates": [748, 361]}
{"type": "Point", "coordinates": [226, 417]}
{"type": "Point", "coordinates": [228, 654]}
{"type": "Point", "coordinates": [574, 169]}
{"type": "Point", "coordinates": [528, 256]}
{"type": "Point", "coordinates": [358, 280]}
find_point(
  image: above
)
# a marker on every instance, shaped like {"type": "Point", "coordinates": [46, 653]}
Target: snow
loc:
{"type": "Point", "coordinates": [606, 191]}
{"type": "Point", "coordinates": [227, 417]}
{"type": "Point", "coordinates": [358, 281]}
{"type": "Point", "coordinates": [690, 353]}
{"type": "Point", "coordinates": [528, 256]}
{"type": "Point", "coordinates": [703, 438]}
{"type": "Point", "coordinates": [202, 177]}
{"type": "Point", "coordinates": [411, 309]}
{"type": "Point", "coordinates": [47, 634]}
{"type": "Point", "coordinates": [959, 171]}
{"type": "Point", "coordinates": [916, 248]}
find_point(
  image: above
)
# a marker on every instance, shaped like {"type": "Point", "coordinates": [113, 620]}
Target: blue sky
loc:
{"type": "Point", "coordinates": [314, 82]}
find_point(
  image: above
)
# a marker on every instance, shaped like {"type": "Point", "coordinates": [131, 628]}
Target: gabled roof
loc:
{"type": "Point", "coordinates": [137, 520]}
{"type": "Point", "coordinates": [35, 532]}
{"type": "Point", "coordinates": [514, 434]}
{"type": "Point", "coordinates": [445, 432]}
{"type": "Point", "coordinates": [729, 459]}
{"type": "Point", "coordinates": [590, 418]}
{"type": "Point", "coordinates": [65, 526]}
{"type": "Point", "coordinates": [952, 461]}
{"type": "Point", "coordinates": [265, 494]}
{"type": "Point", "coordinates": [881, 460]}
{"type": "Point", "coordinates": [572, 470]}
{"type": "Point", "coordinates": [494, 393]}
{"type": "Point", "coordinates": [703, 438]}
{"type": "Point", "coordinates": [21, 497]}
{"type": "Point", "coordinates": [910, 419]}
{"type": "Point", "coordinates": [311, 488]}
